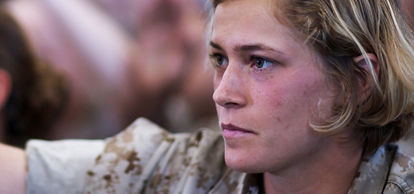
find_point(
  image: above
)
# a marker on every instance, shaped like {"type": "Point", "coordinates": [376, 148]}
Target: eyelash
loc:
{"type": "Point", "coordinates": [214, 60]}
{"type": "Point", "coordinates": [252, 61]}
{"type": "Point", "coordinates": [255, 59]}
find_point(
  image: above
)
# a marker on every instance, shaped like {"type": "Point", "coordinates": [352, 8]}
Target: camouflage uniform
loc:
{"type": "Point", "coordinates": [146, 159]}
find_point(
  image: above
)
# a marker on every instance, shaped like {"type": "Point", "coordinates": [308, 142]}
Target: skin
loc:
{"type": "Point", "coordinates": [12, 170]}
{"type": "Point", "coordinates": [269, 83]}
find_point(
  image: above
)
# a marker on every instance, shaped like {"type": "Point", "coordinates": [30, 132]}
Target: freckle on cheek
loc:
{"type": "Point", "coordinates": [277, 103]}
{"type": "Point", "coordinates": [305, 93]}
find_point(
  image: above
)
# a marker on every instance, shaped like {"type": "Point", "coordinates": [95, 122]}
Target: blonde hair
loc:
{"type": "Point", "coordinates": [342, 30]}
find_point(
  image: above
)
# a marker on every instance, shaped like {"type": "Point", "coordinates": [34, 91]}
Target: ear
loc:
{"type": "Point", "coordinates": [5, 87]}
{"type": "Point", "coordinates": [370, 64]}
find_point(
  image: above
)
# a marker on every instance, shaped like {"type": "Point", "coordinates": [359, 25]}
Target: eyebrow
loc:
{"type": "Point", "coordinates": [215, 45]}
{"type": "Point", "coordinates": [248, 47]}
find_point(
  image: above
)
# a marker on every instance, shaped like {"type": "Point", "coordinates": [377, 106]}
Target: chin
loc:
{"type": "Point", "coordinates": [243, 162]}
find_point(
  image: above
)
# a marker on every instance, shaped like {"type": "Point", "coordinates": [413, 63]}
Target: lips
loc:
{"type": "Point", "coordinates": [232, 131]}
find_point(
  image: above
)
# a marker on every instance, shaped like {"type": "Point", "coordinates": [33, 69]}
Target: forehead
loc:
{"type": "Point", "coordinates": [243, 12]}
{"type": "Point", "coordinates": [242, 21]}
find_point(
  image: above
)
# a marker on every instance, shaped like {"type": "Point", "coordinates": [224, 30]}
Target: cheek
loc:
{"type": "Point", "coordinates": [291, 102]}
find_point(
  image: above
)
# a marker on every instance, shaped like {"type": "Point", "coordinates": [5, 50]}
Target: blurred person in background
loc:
{"type": "Point", "coordinates": [90, 112]}
{"type": "Point", "coordinates": [121, 64]}
{"type": "Point", "coordinates": [32, 94]}
{"type": "Point", "coordinates": [169, 63]}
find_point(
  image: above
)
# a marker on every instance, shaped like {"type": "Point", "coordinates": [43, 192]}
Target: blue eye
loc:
{"type": "Point", "coordinates": [218, 60]}
{"type": "Point", "coordinates": [261, 63]}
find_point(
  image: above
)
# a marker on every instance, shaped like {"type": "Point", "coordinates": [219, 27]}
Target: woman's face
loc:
{"type": "Point", "coordinates": [268, 86]}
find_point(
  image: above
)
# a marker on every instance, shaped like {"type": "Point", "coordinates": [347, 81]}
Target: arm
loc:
{"type": "Point", "coordinates": [13, 171]}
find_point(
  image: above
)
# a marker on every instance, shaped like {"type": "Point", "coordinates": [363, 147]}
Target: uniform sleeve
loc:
{"type": "Point", "coordinates": [129, 158]}
{"type": "Point", "coordinates": [141, 159]}
{"type": "Point", "coordinates": [146, 159]}
{"type": "Point", "coordinates": [60, 166]}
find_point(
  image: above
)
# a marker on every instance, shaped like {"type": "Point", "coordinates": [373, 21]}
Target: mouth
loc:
{"type": "Point", "coordinates": [232, 131]}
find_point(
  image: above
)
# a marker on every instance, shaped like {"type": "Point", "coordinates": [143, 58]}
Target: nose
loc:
{"type": "Point", "coordinates": [229, 92]}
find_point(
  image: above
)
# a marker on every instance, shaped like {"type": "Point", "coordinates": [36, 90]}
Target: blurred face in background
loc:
{"type": "Point", "coordinates": [268, 87]}
{"type": "Point", "coordinates": [169, 63]}
{"type": "Point", "coordinates": [171, 35]}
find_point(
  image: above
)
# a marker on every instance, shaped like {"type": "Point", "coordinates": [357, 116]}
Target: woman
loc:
{"type": "Point", "coordinates": [309, 95]}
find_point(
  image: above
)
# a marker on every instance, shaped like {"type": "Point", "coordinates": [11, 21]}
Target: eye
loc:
{"type": "Point", "coordinates": [218, 60]}
{"type": "Point", "coordinates": [261, 63]}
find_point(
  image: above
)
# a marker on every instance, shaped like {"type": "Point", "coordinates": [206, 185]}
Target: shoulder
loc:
{"type": "Point", "coordinates": [144, 157]}
{"type": "Point", "coordinates": [59, 165]}
{"type": "Point", "coordinates": [147, 139]}
{"type": "Point", "coordinates": [386, 171]}
{"type": "Point", "coordinates": [401, 175]}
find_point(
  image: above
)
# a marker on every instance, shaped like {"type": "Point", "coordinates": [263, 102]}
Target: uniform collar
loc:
{"type": "Point", "coordinates": [371, 176]}
{"type": "Point", "coordinates": [373, 171]}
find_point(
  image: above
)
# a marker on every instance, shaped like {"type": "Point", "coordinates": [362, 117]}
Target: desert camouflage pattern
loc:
{"type": "Point", "coordinates": [387, 171]}
{"type": "Point", "coordinates": [146, 159]}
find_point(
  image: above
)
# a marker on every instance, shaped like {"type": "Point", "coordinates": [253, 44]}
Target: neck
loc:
{"type": "Point", "coordinates": [331, 170]}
